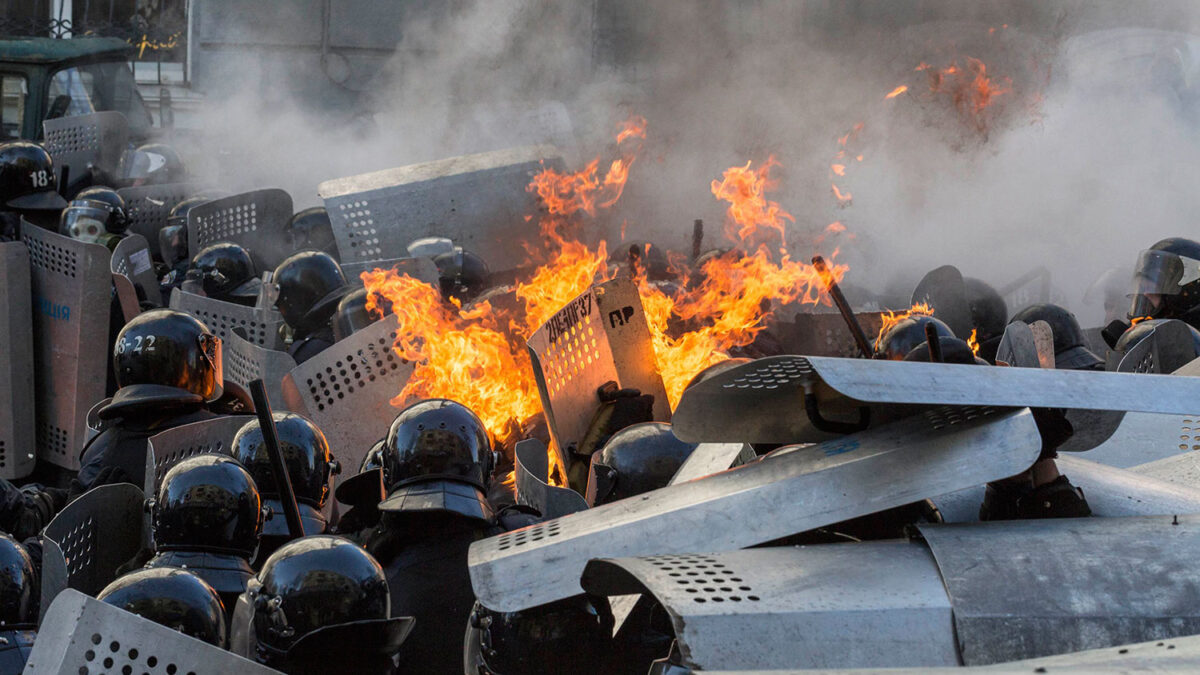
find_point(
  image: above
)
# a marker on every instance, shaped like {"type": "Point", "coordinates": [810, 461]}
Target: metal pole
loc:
{"type": "Point", "coordinates": [847, 312]}
{"type": "Point", "coordinates": [934, 343]}
{"type": "Point", "coordinates": [287, 498]}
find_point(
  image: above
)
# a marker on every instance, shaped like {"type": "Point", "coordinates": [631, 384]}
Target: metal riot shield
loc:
{"type": "Point", "coordinates": [533, 487]}
{"type": "Point", "coordinates": [246, 362]}
{"type": "Point", "coordinates": [94, 422]}
{"type": "Point", "coordinates": [1018, 347]}
{"type": "Point", "coordinates": [89, 539]}
{"type": "Point", "coordinates": [172, 446]}
{"type": "Point", "coordinates": [479, 201]}
{"type": "Point", "coordinates": [944, 291]}
{"type": "Point", "coordinates": [80, 634]}
{"type": "Point", "coordinates": [710, 458]}
{"type": "Point", "coordinates": [1113, 492]}
{"type": "Point", "coordinates": [149, 205]}
{"type": "Point", "coordinates": [85, 141]}
{"type": "Point", "coordinates": [72, 289]}
{"type": "Point", "coordinates": [1024, 589]}
{"type": "Point", "coordinates": [346, 390]}
{"type": "Point", "coordinates": [792, 399]}
{"type": "Point", "coordinates": [16, 363]}
{"type": "Point", "coordinates": [260, 326]}
{"type": "Point", "coordinates": [600, 336]}
{"type": "Point", "coordinates": [825, 334]}
{"type": "Point", "coordinates": [804, 488]}
{"type": "Point", "coordinates": [1092, 429]}
{"type": "Point", "coordinates": [1182, 470]}
{"type": "Point", "coordinates": [131, 258]}
{"type": "Point", "coordinates": [874, 605]}
{"type": "Point", "coordinates": [1028, 289]}
{"type": "Point", "coordinates": [421, 269]}
{"type": "Point", "coordinates": [1166, 348]}
{"type": "Point", "coordinates": [256, 221]}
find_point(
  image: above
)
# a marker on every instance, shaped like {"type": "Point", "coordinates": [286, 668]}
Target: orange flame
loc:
{"type": "Point", "coordinates": [835, 227]}
{"type": "Point", "coordinates": [842, 197]}
{"type": "Point", "coordinates": [897, 91]}
{"type": "Point", "coordinates": [838, 169]}
{"type": "Point", "coordinates": [972, 91]}
{"type": "Point", "coordinates": [1134, 322]}
{"type": "Point", "coordinates": [569, 193]}
{"type": "Point", "coordinates": [749, 210]}
{"type": "Point", "coordinates": [892, 318]}
{"type": "Point", "coordinates": [973, 341]}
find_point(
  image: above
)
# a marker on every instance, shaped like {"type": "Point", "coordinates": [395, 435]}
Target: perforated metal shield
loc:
{"type": "Point", "coordinates": [83, 635]}
{"type": "Point", "coordinates": [72, 289]}
{"type": "Point", "coordinates": [825, 334]}
{"type": "Point", "coordinates": [600, 336]}
{"type": "Point", "coordinates": [93, 420]}
{"type": "Point", "coordinates": [16, 363]}
{"type": "Point", "coordinates": [764, 401]}
{"type": "Point", "coordinates": [260, 326]}
{"type": "Point", "coordinates": [1182, 470]}
{"type": "Point", "coordinates": [1028, 289]}
{"type": "Point", "coordinates": [1113, 492]}
{"type": "Point", "coordinates": [246, 362]}
{"type": "Point", "coordinates": [1167, 347]}
{"type": "Point", "coordinates": [709, 458]}
{"type": "Point", "coordinates": [346, 390]}
{"type": "Point", "coordinates": [421, 269]}
{"type": "Point", "coordinates": [1092, 429]}
{"type": "Point", "coordinates": [172, 446]}
{"type": "Point", "coordinates": [256, 221]}
{"type": "Point", "coordinates": [131, 259]}
{"type": "Point", "coordinates": [149, 205]}
{"type": "Point", "coordinates": [532, 473]}
{"type": "Point", "coordinates": [89, 539]}
{"type": "Point", "coordinates": [1018, 346]}
{"type": "Point", "coordinates": [934, 453]}
{"type": "Point", "coordinates": [1024, 589]}
{"type": "Point", "coordinates": [83, 141]}
{"type": "Point", "coordinates": [833, 606]}
{"type": "Point", "coordinates": [479, 201]}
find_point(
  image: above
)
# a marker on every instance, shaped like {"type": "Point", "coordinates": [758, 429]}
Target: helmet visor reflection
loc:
{"type": "Point", "coordinates": [212, 350]}
{"type": "Point", "coordinates": [1159, 273]}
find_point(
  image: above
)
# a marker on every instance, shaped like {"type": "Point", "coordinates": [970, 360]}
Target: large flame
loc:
{"type": "Point", "coordinates": [892, 318]}
{"type": "Point", "coordinates": [749, 209]}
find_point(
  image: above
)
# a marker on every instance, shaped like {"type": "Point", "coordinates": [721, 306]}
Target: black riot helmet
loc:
{"type": "Point", "coordinates": [227, 272]}
{"type": "Point", "coordinates": [1166, 281]}
{"type": "Point", "coordinates": [169, 348]}
{"type": "Point", "coordinates": [322, 597]}
{"type": "Point", "coordinates": [87, 220]}
{"type": "Point", "coordinates": [308, 461]}
{"type": "Point", "coordinates": [178, 214]}
{"type": "Point", "coordinates": [18, 584]}
{"type": "Point", "coordinates": [171, 597]}
{"type": "Point", "coordinates": [119, 223]}
{"type": "Point", "coordinates": [173, 244]}
{"type": "Point", "coordinates": [438, 457]}
{"type": "Point", "coordinates": [902, 337]}
{"type": "Point", "coordinates": [27, 180]}
{"type": "Point", "coordinates": [637, 459]}
{"type": "Point", "coordinates": [208, 503]}
{"type": "Point", "coordinates": [552, 638]}
{"type": "Point", "coordinates": [308, 286]}
{"type": "Point", "coordinates": [989, 313]}
{"type": "Point", "coordinates": [152, 164]}
{"type": "Point", "coordinates": [462, 274]}
{"type": "Point", "coordinates": [311, 230]}
{"type": "Point", "coordinates": [352, 314]}
{"type": "Point", "coordinates": [953, 350]}
{"type": "Point", "coordinates": [1070, 346]}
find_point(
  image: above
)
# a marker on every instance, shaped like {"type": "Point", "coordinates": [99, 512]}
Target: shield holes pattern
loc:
{"type": "Point", "coordinates": [148, 211]}
{"type": "Point", "coordinates": [163, 461]}
{"type": "Point", "coordinates": [773, 375]}
{"type": "Point", "coordinates": [52, 439]}
{"type": "Point", "coordinates": [78, 546]}
{"type": "Point", "coordinates": [1189, 437]}
{"type": "Point", "coordinates": [575, 350]}
{"type": "Point", "coordinates": [939, 418]}
{"type": "Point", "coordinates": [226, 223]}
{"type": "Point", "coordinates": [129, 661]}
{"type": "Point", "coordinates": [703, 579]}
{"type": "Point", "coordinates": [80, 138]}
{"type": "Point", "coordinates": [52, 258]}
{"type": "Point", "coordinates": [359, 224]}
{"type": "Point", "coordinates": [529, 535]}
{"type": "Point", "coordinates": [355, 370]}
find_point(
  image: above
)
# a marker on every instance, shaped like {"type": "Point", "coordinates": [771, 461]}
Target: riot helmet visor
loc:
{"type": "Point", "coordinates": [1159, 273]}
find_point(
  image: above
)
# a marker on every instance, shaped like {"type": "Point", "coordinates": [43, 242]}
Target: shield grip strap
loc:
{"type": "Point", "coordinates": [813, 409]}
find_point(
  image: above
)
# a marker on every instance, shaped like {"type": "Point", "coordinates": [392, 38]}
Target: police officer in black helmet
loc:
{"type": "Point", "coordinates": [226, 272]}
{"type": "Point", "coordinates": [168, 365]}
{"type": "Point", "coordinates": [311, 230]}
{"type": "Point", "coordinates": [28, 188]}
{"type": "Point", "coordinates": [172, 597]}
{"type": "Point", "coordinates": [307, 287]}
{"type": "Point", "coordinates": [1166, 282]}
{"type": "Point", "coordinates": [19, 589]}
{"type": "Point", "coordinates": [1070, 346]}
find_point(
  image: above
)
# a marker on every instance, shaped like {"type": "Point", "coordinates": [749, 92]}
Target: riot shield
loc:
{"type": "Point", "coordinates": [149, 205]}
{"type": "Point", "coordinates": [763, 609]}
{"type": "Point", "coordinates": [479, 201]}
{"type": "Point", "coordinates": [16, 363]}
{"type": "Point", "coordinates": [131, 259]}
{"type": "Point", "coordinates": [421, 269]}
{"type": "Point", "coordinates": [533, 487]}
{"type": "Point", "coordinates": [710, 458]}
{"type": "Point", "coordinates": [170, 447]}
{"type": "Point", "coordinates": [802, 488]}
{"type": "Point", "coordinates": [260, 326]}
{"type": "Point", "coordinates": [600, 336]}
{"type": "Point", "coordinates": [85, 141]}
{"type": "Point", "coordinates": [1043, 341]}
{"type": "Point", "coordinates": [1028, 289]}
{"type": "Point", "coordinates": [944, 291]}
{"type": "Point", "coordinates": [94, 423]}
{"type": "Point", "coordinates": [1018, 347]}
{"type": "Point", "coordinates": [1113, 492]}
{"type": "Point", "coordinates": [794, 399]}
{"type": "Point", "coordinates": [1182, 470]}
{"type": "Point", "coordinates": [246, 362]}
{"type": "Point", "coordinates": [89, 539]}
{"type": "Point", "coordinates": [1166, 348]}
{"type": "Point", "coordinates": [825, 334]}
{"type": "Point", "coordinates": [1024, 589]}
{"type": "Point", "coordinates": [84, 635]}
{"type": "Point", "coordinates": [72, 289]}
{"type": "Point", "coordinates": [345, 390]}
{"type": "Point", "coordinates": [256, 221]}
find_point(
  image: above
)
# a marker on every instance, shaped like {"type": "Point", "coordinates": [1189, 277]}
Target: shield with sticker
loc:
{"type": "Point", "coordinates": [133, 275]}
{"type": "Point", "coordinates": [346, 390]}
{"type": "Point", "coordinates": [16, 363]}
{"type": "Point", "coordinates": [257, 221]}
{"type": "Point", "coordinates": [599, 337]}
{"type": "Point", "coordinates": [72, 288]}
{"type": "Point", "coordinates": [148, 206]}
{"type": "Point", "coordinates": [259, 326]}
{"type": "Point", "coordinates": [82, 142]}
{"type": "Point", "coordinates": [479, 201]}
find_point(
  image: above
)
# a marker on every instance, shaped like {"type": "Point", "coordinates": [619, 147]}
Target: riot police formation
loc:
{"type": "Point", "coordinates": [254, 543]}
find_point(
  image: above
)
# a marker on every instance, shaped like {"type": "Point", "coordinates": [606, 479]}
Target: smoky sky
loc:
{"type": "Point", "coordinates": [1088, 158]}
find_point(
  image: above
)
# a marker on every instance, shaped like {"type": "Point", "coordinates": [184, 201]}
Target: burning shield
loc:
{"type": "Point", "coordinates": [90, 538]}
{"type": "Point", "coordinates": [81, 142]}
{"type": "Point", "coordinates": [246, 362]}
{"type": "Point", "coordinates": [345, 390]}
{"type": "Point", "coordinates": [260, 326]}
{"type": "Point", "coordinates": [80, 634]}
{"type": "Point", "coordinates": [421, 269]}
{"type": "Point", "coordinates": [16, 363]}
{"type": "Point", "coordinates": [803, 488]}
{"type": "Point", "coordinates": [475, 200]}
{"type": "Point", "coordinates": [944, 291]}
{"type": "Point", "coordinates": [533, 488]}
{"type": "Point", "coordinates": [72, 286]}
{"type": "Point", "coordinates": [256, 221]}
{"type": "Point", "coordinates": [600, 336]}
{"type": "Point", "coordinates": [148, 206]}
{"type": "Point", "coordinates": [170, 447]}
